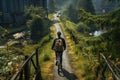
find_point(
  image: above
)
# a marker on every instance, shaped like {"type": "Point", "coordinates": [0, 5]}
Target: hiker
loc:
{"type": "Point", "coordinates": [59, 46]}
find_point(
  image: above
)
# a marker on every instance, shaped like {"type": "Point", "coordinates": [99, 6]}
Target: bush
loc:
{"type": "Point", "coordinates": [46, 57]}
{"type": "Point", "coordinates": [39, 28]}
{"type": "Point", "coordinates": [2, 31]}
{"type": "Point", "coordinates": [83, 28]}
{"type": "Point", "coordinates": [38, 23]}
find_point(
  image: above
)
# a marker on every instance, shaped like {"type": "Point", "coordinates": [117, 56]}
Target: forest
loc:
{"type": "Point", "coordinates": [93, 29]}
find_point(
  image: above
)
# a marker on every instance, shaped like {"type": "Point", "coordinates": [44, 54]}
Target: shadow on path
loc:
{"type": "Point", "coordinates": [69, 76]}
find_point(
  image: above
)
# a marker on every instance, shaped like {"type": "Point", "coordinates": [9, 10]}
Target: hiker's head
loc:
{"type": "Point", "coordinates": [59, 34]}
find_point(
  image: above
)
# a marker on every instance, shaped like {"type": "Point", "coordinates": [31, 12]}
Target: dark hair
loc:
{"type": "Point", "coordinates": [58, 33]}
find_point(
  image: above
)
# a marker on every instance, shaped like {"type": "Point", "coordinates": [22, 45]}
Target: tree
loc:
{"type": "Point", "coordinates": [73, 9]}
{"type": "Point", "coordinates": [87, 5]}
{"type": "Point", "coordinates": [51, 6]}
{"type": "Point", "coordinates": [36, 28]}
{"type": "Point", "coordinates": [37, 22]}
{"type": "Point", "coordinates": [72, 13]}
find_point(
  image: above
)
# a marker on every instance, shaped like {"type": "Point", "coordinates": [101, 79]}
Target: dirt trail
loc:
{"type": "Point", "coordinates": [67, 70]}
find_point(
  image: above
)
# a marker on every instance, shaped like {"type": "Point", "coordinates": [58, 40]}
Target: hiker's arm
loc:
{"type": "Point", "coordinates": [64, 43]}
{"type": "Point", "coordinates": [53, 44]}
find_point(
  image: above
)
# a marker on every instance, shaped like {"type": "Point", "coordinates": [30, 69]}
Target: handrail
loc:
{"type": "Point", "coordinates": [26, 61]}
{"type": "Point", "coordinates": [116, 77]}
{"type": "Point", "coordinates": [114, 65]}
{"type": "Point", "coordinates": [109, 66]}
{"type": "Point", "coordinates": [36, 67]}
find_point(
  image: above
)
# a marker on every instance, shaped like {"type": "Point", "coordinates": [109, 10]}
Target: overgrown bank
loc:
{"type": "Point", "coordinates": [81, 63]}
{"type": "Point", "coordinates": [37, 35]}
{"type": "Point", "coordinates": [85, 50]}
{"type": "Point", "coordinates": [46, 54]}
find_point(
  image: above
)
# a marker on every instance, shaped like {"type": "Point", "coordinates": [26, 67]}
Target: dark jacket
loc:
{"type": "Point", "coordinates": [64, 44]}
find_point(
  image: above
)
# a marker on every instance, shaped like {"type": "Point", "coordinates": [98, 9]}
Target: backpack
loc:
{"type": "Point", "coordinates": [58, 45]}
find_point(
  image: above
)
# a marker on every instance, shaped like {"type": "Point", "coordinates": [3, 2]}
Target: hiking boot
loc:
{"type": "Point", "coordinates": [60, 72]}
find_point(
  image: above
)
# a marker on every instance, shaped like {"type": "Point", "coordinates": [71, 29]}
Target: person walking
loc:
{"type": "Point", "coordinates": [59, 45]}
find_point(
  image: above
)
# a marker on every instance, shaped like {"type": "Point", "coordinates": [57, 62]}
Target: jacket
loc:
{"type": "Point", "coordinates": [63, 40]}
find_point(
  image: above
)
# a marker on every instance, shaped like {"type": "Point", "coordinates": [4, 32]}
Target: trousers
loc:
{"type": "Point", "coordinates": [59, 54]}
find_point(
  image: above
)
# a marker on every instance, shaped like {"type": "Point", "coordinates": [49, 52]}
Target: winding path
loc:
{"type": "Point", "coordinates": [67, 70]}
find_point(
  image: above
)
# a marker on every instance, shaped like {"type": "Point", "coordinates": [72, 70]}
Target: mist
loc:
{"type": "Point", "coordinates": [62, 4]}
{"type": "Point", "coordinates": [103, 6]}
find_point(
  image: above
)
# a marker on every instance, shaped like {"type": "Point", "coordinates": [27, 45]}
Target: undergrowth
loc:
{"type": "Point", "coordinates": [82, 63]}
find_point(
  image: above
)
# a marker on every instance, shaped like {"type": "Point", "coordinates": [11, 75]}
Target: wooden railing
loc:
{"type": "Point", "coordinates": [111, 66]}
{"type": "Point", "coordinates": [30, 69]}
{"type": "Point", "coordinates": [106, 66]}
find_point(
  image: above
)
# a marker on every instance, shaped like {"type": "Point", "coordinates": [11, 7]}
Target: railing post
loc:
{"type": "Point", "coordinates": [26, 69]}
{"type": "Point", "coordinates": [21, 75]}
{"type": "Point", "coordinates": [37, 62]}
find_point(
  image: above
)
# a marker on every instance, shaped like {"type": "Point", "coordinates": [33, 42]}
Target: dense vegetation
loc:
{"type": "Point", "coordinates": [2, 32]}
{"type": "Point", "coordinates": [37, 22]}
{"type": "Point", "coordinates": [111, 23]}
{"type": "Point", "coordinates": [88, 23]}
{"type": "Point", "coordinates": [72, 10]}
{"type": "Point", "coordinates": [37, 31]}
{"type": "Point", "coordinates": [79, 20]}
{"type": "Point", "coordinates": [107, 43]}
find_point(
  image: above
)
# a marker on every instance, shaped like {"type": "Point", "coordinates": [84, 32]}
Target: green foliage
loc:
{"type": "Point", "coordinates": [82, 28]}
{"type": "Point", "coordinates": [88, 18]}
{"type": "Point", "coordinates": [109, 42]}
{"type": "Point", "coordinates": [8, 63]}
{"type": "Point", "coordinates": [38, 23]}
{"type": "Point", "coordinates": [112, 39]}
{"type": "Point", "coordinates": [39, 27]}
{"type": "Point", "coordinates": [46, 56]}
{"type": "Point", "coordinates": [44, 40]}
{"type": "Point", "coordinates": [44, 46]}
{"type": "Point", "coordinates": [31, 11]}
{"type": "Point", "coordinates": [83, 49]}
{"type": "Point", "coordinates": [72, 13]}
{"type": "Point", "coordinates": [36, 28]}
{"type": "Point", "coordinates": [3, 31]}
{"type": "Point", "coordinates": [108, 20]}
{"type": "Point", "coordinates": [87, 5]}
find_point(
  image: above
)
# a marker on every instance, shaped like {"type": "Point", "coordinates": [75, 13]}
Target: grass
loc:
{"type": "Point", "coordinates": [29, 49]}
{"type": "Point", "coordinates": [47, 55]}
{"type": "Point", "coordinates": [46, 61]}
{"type": "Point", "coordinates": [50, 17]}
{"type": "Point", "coordinates": [79, 62]}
